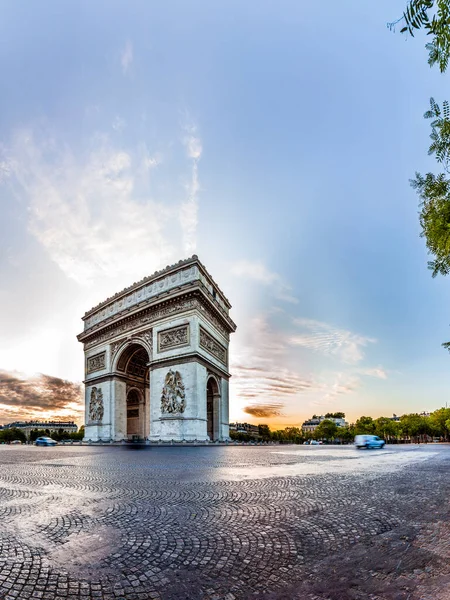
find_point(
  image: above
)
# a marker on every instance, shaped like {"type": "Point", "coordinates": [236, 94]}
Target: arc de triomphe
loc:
{"type": "Point", "coordinates": [156, 359]}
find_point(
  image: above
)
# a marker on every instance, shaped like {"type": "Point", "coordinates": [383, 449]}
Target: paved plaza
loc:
{"type": "Point", "coordinates": [224, 523]}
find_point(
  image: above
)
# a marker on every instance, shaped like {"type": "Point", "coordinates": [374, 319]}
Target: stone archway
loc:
{"type": "Point", "coordinates": [213, 408]}
{"type": "Point", "coordinates": [133, 365]}
{"type": "Point", "coordinates": [150, 350]}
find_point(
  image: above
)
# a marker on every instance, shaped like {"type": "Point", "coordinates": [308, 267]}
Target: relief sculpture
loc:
{"type": "Point", "coordinates": [96, 363]}
{"type": "Point", "coordinates": [173, 395]}
{"type": "Point", "coordinates": [172, 338]}
{"type": "Point", "coordinates": [208, 343]}
{"type": "Point", "coordinates": [96, 405]}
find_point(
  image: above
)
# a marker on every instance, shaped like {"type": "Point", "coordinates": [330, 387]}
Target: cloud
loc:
{"type": "Point", "coordinates": [270, 373]}
{"type": "Point", "coordinates": [39, 396]}
{"type": "Point", "coordinates": [126, 57]}
{"type": "Point", "coordinates": [378, 372]}
{"type": "Point", "coordinates": [344, 384]}
{"type": "Point", "coordinates": [262, 379]}
{"type": "Point", "coordinates": [258, 272]}
{"type": "Point", "coordinates": [189, 208]}
{"type": "Point", "coordinates": [118, 124]}
{"type": "Point", "coordinates": [93, 213]}
{"type": "Point", "coordinates": [329, 340]}
{"type": "Point", "coordinates": [264, 411]}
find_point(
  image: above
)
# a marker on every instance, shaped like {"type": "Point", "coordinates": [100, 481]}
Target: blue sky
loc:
{"type": "Point", "coordinates": [275, 140]}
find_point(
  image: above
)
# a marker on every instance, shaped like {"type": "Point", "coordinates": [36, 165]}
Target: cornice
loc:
{"type": "Point", "coordinates": [146, 308]}
{"type": "Point", "coordinates": [170, 269]}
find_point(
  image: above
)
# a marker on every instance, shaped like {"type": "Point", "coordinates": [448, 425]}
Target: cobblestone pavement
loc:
{"type": "Point", "coordinates": [224, 523]}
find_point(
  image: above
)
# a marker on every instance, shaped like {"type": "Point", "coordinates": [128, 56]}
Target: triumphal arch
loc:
{"type": "Point", "coordinates": [156, 359]}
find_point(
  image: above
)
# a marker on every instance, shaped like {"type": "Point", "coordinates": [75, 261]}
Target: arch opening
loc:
{"type": "Point", "coordinates": [212, 408]}
{"type": "Point", "coordinates": [133, 363]}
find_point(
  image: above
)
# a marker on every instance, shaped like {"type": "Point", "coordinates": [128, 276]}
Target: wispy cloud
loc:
{"type": "Point", "coordinates": [257, 271]}
{"type": "Point", "coordinates": [261, 377]}
{"type": "Point", "coordinates": [377, 372]}
{"type": "Point", "coordinates": [126, 57]}
{"type": "Point", "coordinates": [269, 375]}
{"type": "Point", "coordinates": [329, 340]}
{"type": "Point", "coordinates": [93, 213]}
{"type": "Point", "coordinates": [264, 411]}
{"type": "Point", "coordinates": [118, 124]}
{"type": "Point", "coordinates": [38, 396]}
{"type": "Point", "coordinates": [189, 208]}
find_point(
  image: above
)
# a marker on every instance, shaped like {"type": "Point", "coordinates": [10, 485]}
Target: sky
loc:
{"type": "Point", "coordinates": [274, 140]}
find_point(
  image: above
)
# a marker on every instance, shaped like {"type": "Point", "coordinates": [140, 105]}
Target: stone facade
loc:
{"type": "Point", "coordinates": [156, 359]}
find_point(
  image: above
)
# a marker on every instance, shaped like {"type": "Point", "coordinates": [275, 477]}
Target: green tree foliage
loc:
{"type": "Point", "coordinates": [264, 432]}
{"type": "Point", "coordinates": [345, 434]}
{"type": "Point", "coordinates": [386, 428]}
{"type": "Point", "coordinates": [336, 415]}
{"type": "Point", "coordinates": [326, 430]}
{"type": "Point", "coordinates": [439, 421]}
{"type": "Point", "coordinates": [9, 435]}
{"type": "Point", "coordinates": [433, 17]}
{"type": "Point", "coordinates": [414, 426]}
{"type": "Point", "coordinates": [365, 425]}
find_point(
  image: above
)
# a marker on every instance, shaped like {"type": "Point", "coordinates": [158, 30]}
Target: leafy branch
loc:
{"type": "Point", "coordinates": [432, 16]}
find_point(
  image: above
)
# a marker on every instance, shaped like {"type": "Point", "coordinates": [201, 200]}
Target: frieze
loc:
{"type": "Point", "coordinates": [143, 293]}
{"type": "Point", "coordinates": [96, 363]}
{"type": "Point", "coordinates": [152, 316]}
{"type": "Point", "coordinates": [208, 343]}
{"type": "Point", "coordinates": [173, 338]}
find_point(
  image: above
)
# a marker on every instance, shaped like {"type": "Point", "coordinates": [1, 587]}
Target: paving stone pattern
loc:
{"type": "Point", "coordinates": [222, 523]}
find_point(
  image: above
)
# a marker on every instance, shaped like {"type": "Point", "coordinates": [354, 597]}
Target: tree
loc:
{"type": "Point", "coordinates": [413, 425]}
{"type": "Point", "coordinates": [326, 430]}
{"type": "Point", "coordinates": [79, 435]}
{"type": "Point", "coordinates": [336, 415]}
{"type": "Point", "coordinates": [264, 432]}
{"type": "Point", "coordinates": [365, 425]}
{"type": "Point", "coordinates": [432, 16]}
{"type": "Point", "coordinates": [9, 435]}
{"type": "Point", "coordinates": [439, 420]}
{"type": "Point", "coordinates": [346, 434]}
{"type": "Point", "coordinates": [386, 428]}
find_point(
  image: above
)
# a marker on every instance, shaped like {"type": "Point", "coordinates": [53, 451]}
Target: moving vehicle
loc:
{"type": "Point", "coordinates": [16, 442]}
{"type": "Point", "coordinates": [45, 441]}
{"type": "Point", "coordinates": [369, 441]}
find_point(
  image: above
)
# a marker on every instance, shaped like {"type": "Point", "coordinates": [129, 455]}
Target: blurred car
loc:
{"type": "Point", "coordinates": [16, 442]}
{"type": "Point", "coordinates": [369, 441]}
{"type": "Point", "coordinates": [45, 441]}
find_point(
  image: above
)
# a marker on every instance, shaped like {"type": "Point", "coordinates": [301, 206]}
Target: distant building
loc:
{"type": "Point", "coordinates": [395, 418]}
{"type": "Point", "coordinates": [51, 426]}
{"type": "Point", "coordinates": [311, 425]}
{"type": "Point", "coordinates": [248, 428]}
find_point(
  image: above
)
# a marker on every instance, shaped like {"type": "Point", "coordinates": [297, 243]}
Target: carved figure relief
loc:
{"type": "Point", "coordinates": [173, 398]}
{"type": "Point", "coordinates": [173, 338]}
{"type": "Point", "coordinates": [208, 343]}
{"type": "Point", "coordinates": [147, 337]}
{"type": "Point", "coordinates": [96, 408]}
{"type": "Point", "coordinates": [96, 363]}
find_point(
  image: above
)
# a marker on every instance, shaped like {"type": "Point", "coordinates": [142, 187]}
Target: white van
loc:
{"type": "Point", "coordinates": [369, 441]}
